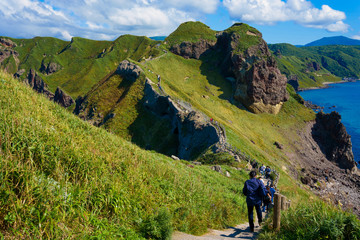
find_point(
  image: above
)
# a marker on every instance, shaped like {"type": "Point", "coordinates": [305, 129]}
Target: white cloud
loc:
{"type": "Point", "coordinates": [357, 37]}
{"type": "Point", "coordinates": [98, 19]}
{"type": "Point", "coordinates": [299, 11]}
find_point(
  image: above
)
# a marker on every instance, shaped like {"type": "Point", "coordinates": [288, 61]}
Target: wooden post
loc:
{"type": "Point", "coordinates": [277, 211]}
{"type": "Point", "coordinates": [283, 203]}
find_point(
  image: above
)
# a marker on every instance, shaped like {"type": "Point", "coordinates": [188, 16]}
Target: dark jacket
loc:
{"type": "Point", "coordinates": [254, 190]}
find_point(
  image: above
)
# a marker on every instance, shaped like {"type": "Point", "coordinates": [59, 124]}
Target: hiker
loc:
{"type": "Point", "coordinates": [272, 192]}
{"type": "Point", "coordinates": [261, 179]}
{"type": "Point", "coordinates": [254, 190]}
{"type": "Point", "coordinates": [267, 172]}
{"type": "Point", "coordinates": [262, 169]}
{"type": "Point", "coordinates": [267, 199]}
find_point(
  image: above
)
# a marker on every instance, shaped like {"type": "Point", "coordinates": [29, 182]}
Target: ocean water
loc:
{"type": "Point", "coordinates": [345, 99]}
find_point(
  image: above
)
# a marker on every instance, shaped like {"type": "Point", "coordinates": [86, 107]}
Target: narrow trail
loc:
{"type": "Point", "coordinates": [241, 231]}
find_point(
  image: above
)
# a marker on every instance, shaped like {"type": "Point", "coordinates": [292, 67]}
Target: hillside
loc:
{"type": "Point", "coordinates": [338, 40]}
{"type": "Point", "coordinates": [213, 98]}
{"type": "Point", "coordinates": [311, 66]}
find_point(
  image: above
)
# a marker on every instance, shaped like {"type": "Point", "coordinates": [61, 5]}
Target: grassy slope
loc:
{"type": "Point", "coordinates": [191, 80]}
{"type": "Point", "coordinates": [294, 60]}
{"type": "Point", "coordinates": [84, 62]}
{"type": "Point", "coordinates": [63, 178]}
{"type": "Point", "coordinates": [191, 32]}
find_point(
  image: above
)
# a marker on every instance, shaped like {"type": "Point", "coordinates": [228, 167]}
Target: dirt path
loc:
{"type": "Point", "coordinates": [239, 232]}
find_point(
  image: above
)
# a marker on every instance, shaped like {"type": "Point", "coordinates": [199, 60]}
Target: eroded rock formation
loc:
{"type": "Point", "coordinates": [192, 50]}
{"type": "Point", "coordinates": [7, 42]}
{"type": "Point", "coordinates": [129, 70]}
{"type": "Point", "coordinates": [259, 84]}
{"type": "Point", "coordinates": [333, 140]}
{"type": "Point", "coordinates": [50, 68]}
{"type": "Point", "coordinates": [195, 131]}
{"type": "Point", "coordinates": [62, 98]}
{"type": "Point", "coordinates": [38, 84]}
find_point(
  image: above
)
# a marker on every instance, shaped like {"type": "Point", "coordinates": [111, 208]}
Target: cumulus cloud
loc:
{"type": "Point", "coordinates": [300, 11]}
{"type": "Point", "coordinates": [98, 19]}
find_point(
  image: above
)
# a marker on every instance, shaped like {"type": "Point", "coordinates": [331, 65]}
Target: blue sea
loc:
{"type": "Point", "coordinates": [345, 99]}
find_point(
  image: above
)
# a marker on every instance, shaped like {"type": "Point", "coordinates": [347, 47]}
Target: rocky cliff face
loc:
{"type": "Point", "coordinates": [192, 50]}
{"type": "Point", "coordinates": [38, 84]}
{"type": "Point", "coordinates": [195, 131]}
{"type": "Point", "coordinates": [50, 68]}
{"type": "Point", "coordinates": [7, 42]}
{"type": "Point", "coordinates": [129, 70]}
{"type": "Point", "coordinates": [333, 140]}
{"type": "Point", "coordinates": [259, 84]}
{"type": "Point", "coordinates": [62, 98]}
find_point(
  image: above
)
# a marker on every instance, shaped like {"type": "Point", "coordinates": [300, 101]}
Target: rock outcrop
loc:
{"type": "Point", "coordinates": [50, 68]}
{"type": "Point", "coordinates": [333, 140]}
{"type": "Point", "coordinates": [4, 54]}
{"type": "Point", "coordinates": [293, 80]}
{"type": "Point", "coordinates": [259, 86]}
{"type": "Point", "coordinates": [128, 70]}
{"type": "Point", "coordinates": [195, 131]}
{"type": "Point", "coordinates": [38, 84]}
{"type": "Point", "coordinates": [62, 98]}
{"type": "Point", "coordinates": [7, 42]}
{"type": "Point", "coordinates": [192, 49]}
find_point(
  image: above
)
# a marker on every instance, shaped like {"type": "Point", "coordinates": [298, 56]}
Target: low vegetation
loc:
{"type": "Point", "coordinates": [314, 221]}
{"type": "Point", "coordinates": [63, 178]}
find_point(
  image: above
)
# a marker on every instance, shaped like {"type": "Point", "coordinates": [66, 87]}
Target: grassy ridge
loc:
{"type": "Point", "coordinates": [63, 178]}
{"type": "Point", "coordinates": [83, 62]}
{"type": "Point", "coordinates": [335, 62]}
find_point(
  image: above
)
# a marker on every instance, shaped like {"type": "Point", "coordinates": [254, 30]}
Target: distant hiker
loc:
{"type": "Point", "coordinates": [254, 190]}
{"type": "Point", "coordinates": [267, 172]}
{"type": "Point", "coordinates": [262, 169]}
{"type": "Point", "coordinates": [267, 199]}
{"type": "Point", "coordinates": [261, 179]}
{"type": "Point", "coordinates": [272, 192]}
{"type": "Point", "coordinates": [254, 164]}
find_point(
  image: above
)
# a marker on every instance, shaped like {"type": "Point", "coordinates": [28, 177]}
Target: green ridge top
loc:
{"type": "Point", "coordinates": [191, 32]}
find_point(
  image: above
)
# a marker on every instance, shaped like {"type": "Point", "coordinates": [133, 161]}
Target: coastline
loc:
{"type": "Point", "coordinates": [325, 85]}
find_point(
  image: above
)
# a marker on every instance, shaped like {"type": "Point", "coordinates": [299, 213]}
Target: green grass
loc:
{"type": "Point", "coordinates": [63, 178]}
{"type": "Point", "coordinates": [245, 32]}
{"type": "Point", "coordinates": [191, 32]}
{"type": "Point", "coordinates": [335, 62]}
{"type": "Point", "coordinates": [314, 221]}
{"type": "Point", "coordinates": [83, 62]}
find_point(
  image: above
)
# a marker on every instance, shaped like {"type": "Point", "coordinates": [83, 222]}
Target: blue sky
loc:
{"type": "Point", "coordinates": [292, 21]}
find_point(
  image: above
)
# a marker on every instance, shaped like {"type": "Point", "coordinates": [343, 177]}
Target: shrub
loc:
{"type": "Point", "coordinates": [157, 226]}
{"type": "Point", "coordinates": [315, 221]}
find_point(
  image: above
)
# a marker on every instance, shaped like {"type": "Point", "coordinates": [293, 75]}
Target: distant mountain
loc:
{"type": "Point", "coordinates": [339, 40]}
{"type": "Point", "coordinates": [158, 38]}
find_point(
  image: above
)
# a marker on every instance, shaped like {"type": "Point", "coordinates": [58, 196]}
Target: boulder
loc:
{"type": "Point", "coordinates": [175, 157]}
{"type": "Point", "coordinates": [50, 68]}
{"type": "Point", "coordinates": [216, 168]}
{"type": "Point", "coordinates": [129, 70]}
{"type": "Point", "coordinates": [62, 98]}
{"type": "Point", "coordinates": [19, 73]}
{"type": "Point", "coordinates": [227, 174]}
